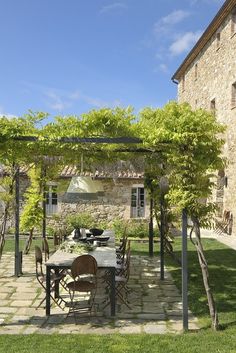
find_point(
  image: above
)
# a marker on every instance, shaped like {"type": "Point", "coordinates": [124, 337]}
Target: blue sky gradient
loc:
{"type": "Point", "coordinates": [70, 56]}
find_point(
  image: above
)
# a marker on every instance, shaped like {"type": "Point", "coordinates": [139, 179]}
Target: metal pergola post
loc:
{"type": "Point", "coordinates": [162, 273]}
{"type": "Point", "coordinates": [17, 223]}
{"type": "Point", "coordinates": [151, 228]}
{"type": "Point", "coordinates": [184, 270]}
{"type": "Point", "coordinates": [44, 204]}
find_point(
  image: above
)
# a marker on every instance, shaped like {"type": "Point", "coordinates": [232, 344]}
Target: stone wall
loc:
{"type": "Point", "coordinates": [114, 204]}
{"type": "Point", "coordinates": [216, 72]}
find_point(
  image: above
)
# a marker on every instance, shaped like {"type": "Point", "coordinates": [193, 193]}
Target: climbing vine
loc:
{"type": "Point", "coordinates": [178, 143]}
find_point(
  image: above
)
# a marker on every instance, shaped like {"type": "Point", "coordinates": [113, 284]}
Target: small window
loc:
{"type": "Point", "coordinates": [233, 22]}
{"type": "Point", "coordinates": [137, 202]}
{"type": "Point", "coordinates": [233, 95]}
{"type": "Point", "coordinates": [51, 199]}
{"type": "Point", "coordinates": [213, 106]}
{"type": "Point", "coordinates": [196, 71]}
{"type": "Point", "coordinates": [218, 40]}
{"type": "Point", "coordinates": [183, 83]}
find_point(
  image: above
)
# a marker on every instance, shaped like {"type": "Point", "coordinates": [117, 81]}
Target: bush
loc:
{"type": "Point", "coordinates": [133, 228]}
{"type": "Point", "coordinates": [80, 220]}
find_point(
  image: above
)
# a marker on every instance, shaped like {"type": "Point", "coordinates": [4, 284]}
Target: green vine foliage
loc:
{"type": "Point", "coordinates": [190, 143]}
{"type": "Point", "coordinates": [32, 214]}
{"type": "Point", "coordinates": [186, 143]}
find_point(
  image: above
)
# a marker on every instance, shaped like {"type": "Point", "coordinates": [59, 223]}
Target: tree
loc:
{"type": "Point", "coordinates": [191, 148]}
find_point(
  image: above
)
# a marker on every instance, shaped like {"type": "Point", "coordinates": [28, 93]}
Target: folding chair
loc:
{"type": "Point", "coordinates": [41, 278]}
{"type": "Point", "coordinates": [224, 225]}
{"type": "Point", "coordinates": [46, 250]}
{"type": "Point", "coordinates": [121, 279]}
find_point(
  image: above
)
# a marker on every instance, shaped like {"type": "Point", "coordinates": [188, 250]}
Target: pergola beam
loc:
{"type": "Point", "coordinates": [84, 140]}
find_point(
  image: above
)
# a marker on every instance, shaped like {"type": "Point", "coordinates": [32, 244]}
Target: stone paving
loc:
{"type": "Point", "coordinates": [156, 306]}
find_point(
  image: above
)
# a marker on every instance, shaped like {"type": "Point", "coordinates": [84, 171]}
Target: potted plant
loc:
{"type": "Point", "coordinates": [78, 222]}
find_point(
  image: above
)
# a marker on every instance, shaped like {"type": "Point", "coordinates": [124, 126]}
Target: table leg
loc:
{"type": "Point", "coordinates": [56, 283]}
{"type": "Point", "coordinates": [48, 285]}
{"type": "Point", "coordinates": [113, 291]}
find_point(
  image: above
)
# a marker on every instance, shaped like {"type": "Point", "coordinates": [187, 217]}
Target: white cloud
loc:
{"type": "Point", "coordinates": [56, 102]}
{"type": "Point", "coordinates": [184, 42]}
{"type": "Point", "coordinates": [193, 2]}
{"type": "Point", "coordinates": [93, 101]}
{"type": "Point", "coordinates": [113, 7]}
{"type": "Point", "coordinates": [175, 17]}
{"type": "Point", "coordinates": [164, 68]}
{"type": "Point", "coordinates": [60, 99]}
{"type": "Point", "coordinates": [6, 115]}
{"type": "Point", "coordinates": [161, 68]}
{"type": "Point", "coordinates": [165, 24]}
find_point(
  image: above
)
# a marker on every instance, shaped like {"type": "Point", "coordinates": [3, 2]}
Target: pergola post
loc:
{"type": "Point", "coordinates": [164, 187]}
{"type": "Point", "coordinates": [151, 228]}
{"type": "Point", "coordinates": [184, 270]}
{"type": "Point", "coordinates": [17, 223]}
{"type": "Point", "coordinates": [162, 253]}
{"type": "Point", "coordinates": [44, 204]}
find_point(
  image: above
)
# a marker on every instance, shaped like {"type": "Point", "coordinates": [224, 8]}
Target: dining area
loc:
{"type": "Point", "coordinates": [72, 275]}
{"type": "Point", "coordinates": [154, 306]}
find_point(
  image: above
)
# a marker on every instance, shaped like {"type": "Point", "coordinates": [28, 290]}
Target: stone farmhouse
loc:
{"type": "Point", "coordinates": [207, 79]}
{"type": "Point", "coordinates": [108, 193]}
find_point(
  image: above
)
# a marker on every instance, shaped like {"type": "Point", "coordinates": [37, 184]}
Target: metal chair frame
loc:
{"type": "Point", "coordinates": [41, 278]}
{"type": "Point", "coordinates": [84, 274]}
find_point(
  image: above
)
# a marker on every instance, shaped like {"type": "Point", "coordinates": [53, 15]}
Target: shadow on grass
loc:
{"type": "Point", "coordinates": [222, 276]}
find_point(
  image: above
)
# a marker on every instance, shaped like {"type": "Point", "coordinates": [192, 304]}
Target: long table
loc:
{"type": "Point", "coordinates": [105, 257]}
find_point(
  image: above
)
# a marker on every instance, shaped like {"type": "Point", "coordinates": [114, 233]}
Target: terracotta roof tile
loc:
{"type": "Point", "coordinates": [70, 171]}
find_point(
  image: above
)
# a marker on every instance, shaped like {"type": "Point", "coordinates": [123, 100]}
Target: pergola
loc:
{"type": "Point", "coordinates": [99, 141]}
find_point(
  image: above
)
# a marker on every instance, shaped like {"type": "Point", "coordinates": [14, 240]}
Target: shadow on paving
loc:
{"type": "Point", "coordinates": [155, 305]}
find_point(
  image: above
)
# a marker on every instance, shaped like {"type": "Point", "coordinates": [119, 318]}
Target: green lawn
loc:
{"type": "Point", "coordinates": [10, 244]}
{"type": "Point", "coordinates": [222, 270]}
{"type": "Point", "coordinates": [222, 274]}
{"type": "Point", "coordinates": [203, 342]}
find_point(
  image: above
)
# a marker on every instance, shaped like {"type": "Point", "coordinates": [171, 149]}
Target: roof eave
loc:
{"type": "Point", "coordinates": [208, 33]}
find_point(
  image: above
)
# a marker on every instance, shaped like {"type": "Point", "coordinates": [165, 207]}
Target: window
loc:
{"type": "Point", "coordinates": [218, 40]}
{"type": "Point", "coordinates": [51, 199]}
{"type": "Point", "coordinates": [233, 95]}
{"type": "Point", "coordinates": [196, 71]}
{"type": "Point", "coordinates": [183, 83]}
{"type": "Point", "coordinates": [233, 22]}
{"type": "Point", "coordinates": [137, 202]}
{"type": "Point", "coordinates": [213, 106]}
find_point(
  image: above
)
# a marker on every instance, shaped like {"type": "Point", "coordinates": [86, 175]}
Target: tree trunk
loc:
{"type": "Point", "coordinates": [6, 213]}
{"type": "Point", "coordinates": [28, 242]}
{"type": "Point", "coordinates": [205, 274]}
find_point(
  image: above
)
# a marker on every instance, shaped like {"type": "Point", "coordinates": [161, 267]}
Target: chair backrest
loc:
{"type": "Point", "coordinates": [46, 248]}
{"type": "Point", "coordinates": [84, 265]}
{"type": "Point", "coordinates": [58, 237]}
{"type": "Point", "coordinates": [38, 261]}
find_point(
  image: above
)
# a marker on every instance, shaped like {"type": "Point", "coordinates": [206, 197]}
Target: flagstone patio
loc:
{"type": "Point", "coordinates": [156, 306]}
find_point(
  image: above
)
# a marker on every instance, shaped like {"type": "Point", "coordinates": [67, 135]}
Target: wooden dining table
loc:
{"type": "Point", "coordinates": [105, 257]}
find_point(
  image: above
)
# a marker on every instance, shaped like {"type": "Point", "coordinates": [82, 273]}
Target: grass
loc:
{"type": "Point", "coordinates": [222, 271]}
{"type": "Point", "coordinates": [222, 275]}
{"type": "Point", "coordinates": [203, 342]}
{"type": "Point", "coordinates": [10, 243]}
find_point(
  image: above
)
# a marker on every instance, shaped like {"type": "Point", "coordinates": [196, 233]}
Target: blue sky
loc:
{"type": "Point", "coordinates": [70, 56]}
